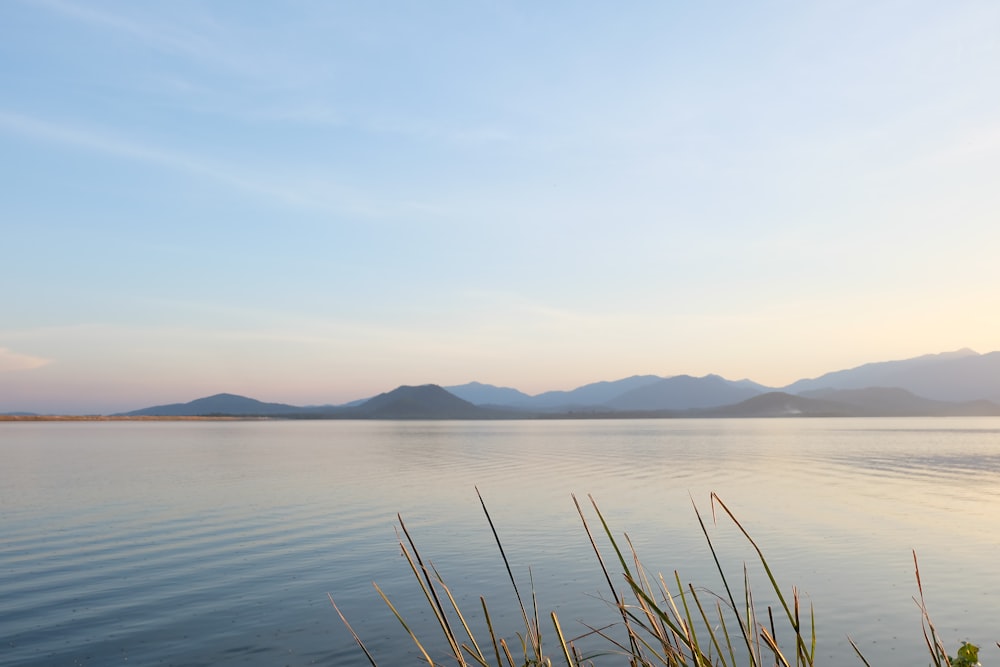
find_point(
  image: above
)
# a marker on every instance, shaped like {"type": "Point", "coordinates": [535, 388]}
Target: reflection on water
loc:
{"type": "Point", "coordinates": [216, 543]}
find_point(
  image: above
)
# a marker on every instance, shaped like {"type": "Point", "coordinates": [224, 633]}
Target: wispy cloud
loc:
{"type": "Point", "coordinates": [96, 140]}
{"type": "Point", "coordinates": [99, 141]}
{"type": "Point", "coordinates": [14, 361]}
{"type": "Point", "coordinates": [204, 45]}
{"type": "Point", "coordinates": [118, 23]}
{"type": "Point", "coordinates": [289, 187]}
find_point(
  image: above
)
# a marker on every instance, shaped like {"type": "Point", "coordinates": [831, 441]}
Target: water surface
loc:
{"type": "Point", "coordinates": [215, 543]}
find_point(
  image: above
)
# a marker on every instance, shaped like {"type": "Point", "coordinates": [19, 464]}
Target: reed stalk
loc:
{"type": "Point", "coordinates": [676, 625]}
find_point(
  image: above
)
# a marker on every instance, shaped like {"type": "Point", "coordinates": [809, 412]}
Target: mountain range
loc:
{"type": "Point", "coordinates": [952, 383]}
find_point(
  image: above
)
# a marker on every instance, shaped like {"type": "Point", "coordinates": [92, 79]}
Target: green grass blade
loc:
{"type": "Point", "coordinates": [675, 626]}
{"type": "Point", "coordinates": [725, 632]}
{"type": "Point", "coordinates": [611, 537]}
{"type": "Point", "coordinates": [689, 624]}
{"type": "Point", "coordinates": [800, 642]}
{"type": "Point", "coordinates": [744, 630]}
{"type": "Point", "coordinates": [619, 600]}
{"type": "Point", "coordinates": [711, 633]}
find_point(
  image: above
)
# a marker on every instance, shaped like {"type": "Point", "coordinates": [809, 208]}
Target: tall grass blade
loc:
{"type": "Point", "coordinates": [416, 554]}
{"type": "Point", "coordinates": [477, 654]}
{"type": "Point", "coordinates": [432, 598]}
{"type": "Point", "coordinates": [406, 627]}
{"type": "Point", "coordinates": [774, 634]}
{"type": "Point", "coordinates": [353, 633]}
{"type": "Point", "coordinates": [801, 648]}
{"type": "Point", "coordinates": [676, 624]}
{"type": "Point", "coordinates": [493, 634]}
{"type": "Point", "coordinates": [725, 632]}
{"type": "Point", "coordinates": [535, 624]}
{"type": "Point", "coordinates": [600, 632]}
{"type": "Point", "coordinates": [750, 610]}
{"type": "Point", "coordinates": [713, 635]}
{"type": "Point", "coordinates": [506, 652]}
{"type": "Point", "coordinates": [510, 573]}
{"type": "Point", "coordinates": [570, 662]}
{"type": "Point", "coordinates": [744, 630]}
{"type": "Point", "coordinates": [779, 658]}
{"type": "Point", "coordinates": [858, 651]}
{"type": "Point", "coordinates": [934, 644]}
{"type": "Point", "coordinates": [661, 629]}
{"type": "Point", "coordinates": [800, 642]}
{"type": "Point", "coordinates": [688, 622]}
{"type": "Point", "coordinates": [619, 600]}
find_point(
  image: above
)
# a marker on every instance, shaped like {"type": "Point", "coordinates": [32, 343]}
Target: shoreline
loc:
{"type": "Point", "coordinates": [117, 418]}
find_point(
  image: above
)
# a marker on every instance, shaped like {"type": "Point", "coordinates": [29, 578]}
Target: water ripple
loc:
{"type": "Point", "coordinates": [216, 546]}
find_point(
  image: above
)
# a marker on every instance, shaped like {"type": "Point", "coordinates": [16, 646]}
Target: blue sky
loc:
{"type": "Point", "coordinates": [313, 202]}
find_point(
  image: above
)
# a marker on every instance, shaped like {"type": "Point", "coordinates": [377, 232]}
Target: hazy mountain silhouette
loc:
{"type": "Point", "coordinates": [963, 375]}
{"type": "Point", "coordinates": [683, 392]}
{"type": "Point", "coordinates": [593, 394]}
{"type": "Point", "coordinates": [219, 404]}
{"type": "Point", "coordinates": [434, 402]}
{"type": "Point", "coordinates": [478, 393]}
{"type": "Point", "coordinates": [953, 383]}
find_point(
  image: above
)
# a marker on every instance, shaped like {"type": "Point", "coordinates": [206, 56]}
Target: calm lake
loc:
{"type": "Point", "coordinates": [216, 543]}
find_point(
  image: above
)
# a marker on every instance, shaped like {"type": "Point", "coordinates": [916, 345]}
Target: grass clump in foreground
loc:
{"type": "Point", "coordinates": [668, 624]}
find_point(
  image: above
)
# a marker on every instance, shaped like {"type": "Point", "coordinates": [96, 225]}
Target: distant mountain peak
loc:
{"type": "Point", "coordinates": [960, 375]}
{"type": "Point", "coordinates": [427, 401]}
{"type": "Point", "coordinates": [957, 354]}
{"type": "Point", "coordinates": [217, 404]}
{"type": "Point", "coordinates": [957, 376]}
{"type": "Point", "coordinates": [683, 392]}
{"type": "Point", "coordinates": [479, 393]}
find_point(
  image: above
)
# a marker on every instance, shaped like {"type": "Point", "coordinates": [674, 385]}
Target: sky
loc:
{"type": "Point", "coordinates": [312, 202]}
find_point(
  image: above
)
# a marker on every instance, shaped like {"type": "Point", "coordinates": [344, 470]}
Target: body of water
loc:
{"type": "Point", "coordinates": [216, 543]}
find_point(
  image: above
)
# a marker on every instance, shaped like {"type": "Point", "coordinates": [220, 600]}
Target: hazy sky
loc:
{"type": "Point", "coordinates": [313, 202]}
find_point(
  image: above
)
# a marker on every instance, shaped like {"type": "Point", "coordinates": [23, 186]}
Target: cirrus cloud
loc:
{"type": "Point", "coordinates": [14, 361]}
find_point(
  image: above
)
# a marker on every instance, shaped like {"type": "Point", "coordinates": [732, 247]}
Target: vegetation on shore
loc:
{"type": "Point", "coordinates": [661, 622]}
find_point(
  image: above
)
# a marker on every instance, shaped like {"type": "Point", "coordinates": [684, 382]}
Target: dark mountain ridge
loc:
{"type": "Point", "coordinates": [780, 404]}
{"type": "Point", "coordinates": [896, 402]}
{"type": "Point", "coordinates": [230, 405]}
{"type": "Point", "coordinates": [427, 401]}
{"type": "Point", "coordinates": [869, 402]}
